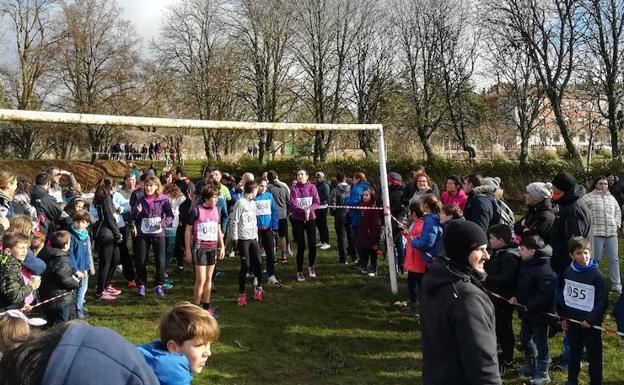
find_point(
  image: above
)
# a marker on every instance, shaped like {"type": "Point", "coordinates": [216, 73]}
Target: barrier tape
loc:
{"type": "Point", "coordinates": [28, 308]}
{"type": "Point", "coordinates": [604, 329]}
{"type": "Point", "coordinates": [386, 211]}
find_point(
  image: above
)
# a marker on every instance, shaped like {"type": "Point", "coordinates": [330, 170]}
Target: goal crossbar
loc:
{"type": "Point", "coordinates": [135, 121]}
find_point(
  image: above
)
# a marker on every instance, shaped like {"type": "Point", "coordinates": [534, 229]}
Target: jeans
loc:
{"type": "Point", "coordinates": [58, 314]}
{"type": "Point", "coordinates": [80, 296]}
{"type": "Point", "coordinates": [354, 232]}
{"type": "Point", "coordinates": [414, 282]}
{"type": "Point", "coordinates": [534, 338]}
{"type": "Point", "coordinates": [399, 250]}
{"type": "Point", "coordinates": [343, 235]}
{"type": "Point", "coordinates": [170, 244]}
{"type": "Point", "coordinates": [610, 245]}
{"type": "Point", "coordinates": [592, 340]}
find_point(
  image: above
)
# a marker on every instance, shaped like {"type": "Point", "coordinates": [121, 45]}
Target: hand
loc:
{"type": "Point", "coordinates": [188, 258]}
{"type": "Point", "coordinates": [565, 325]}
{"type": "Point", "coordinates": [221, 252]}
{"type": "Point", "coordinates": [119, 238]}
{"type": "Point", "coordinates": [307, 215]}
{"type": "Point", "coordinates": [79, 274]}
{"type": "Point", "coordinates": [134, 232]}
{"type": "Point", "coordinates": [513, 300]}
{"type": "Point", "coordinates": [27, 308]}
{"type": "Point", "coordinates": [586, 325]}
{"type": "Point", "coordinates": [5, 223]}
{"type": "Point", "coordinates": [35, 283]}
{"type": "Point", "coordinates": [139, 208]}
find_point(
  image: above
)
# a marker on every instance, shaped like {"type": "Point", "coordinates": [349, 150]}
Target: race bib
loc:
{"type": "Point", "coordinates": [579, 295]}
{"type": "Point", "coordinates": [151, 226]}
{"type": "Point", "coordinates": [263, 207]}
{"type": "Point", "coordinates": [207, 231]}
{"type": "Point", "coordinates": [57, 195]}
{"type": "Point", "coordinates": [304, 203]}
{"type": "Point", "coordinates": [249, 220]}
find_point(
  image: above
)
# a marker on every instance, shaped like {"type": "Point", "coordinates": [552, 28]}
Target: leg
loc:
{"type": "Point", "coordinates": [140, 255]}
{"type": "Point", "coordinates": [363, 259]}
{"type": "Point", "coordinates": [400, 251]}
{"type": "Point", "coordinates": [321, 223]}
{"type": "Point", "coordinates": [351, 249]}
{"type": "Point", "coordinates": [540, 336]}
{"type": "Point", "coordinates": [178, 251]}
{"type": "Point", "coordinates": [593, 344]}
{"type": "Point", "coordinates": [80, 296]}
{"type": "Point", "coordinates": [124, 255]}
{"type": "Point", "coordinates": [504, 330]}
{"type": "Point", "coordinates": [599, 243]}
{"type": "Point", "coordinates": [207, 290]}
{"type": "Point", "coordinates": [575, 338]}
{"type": "Point", "coordinates": [614, 263]}
{"type": "Point", "coordinates": [170, 243]}
{"type": "Point", "coordinates": [268, 244]}
{"type": "Point", "coordinates": [256, 264]}
{"type": "Point", "coordinates": [243, 250]}
{"type": "Point", "coordinates": [530, 351]}
{"type": "Point", "coordinates": [299, 234]}
{"type": "Point", "coordinates": [200, 282]}
{"type": "Point", "coordinates": [411, 286]}
{"type": "Point", "coordinates": [105, 256]}
{"type": "Point", "coordinates": [310, 228]}
{"type": "Point", "coordinates": [113, 265]}
{"type": "Point", "coordinates": [340, 241]}
{"type": "Point", "coordinates": [373, 262]}
{"type": "Point", "coordinates": [354, 231]}
{"type": "Point", "coordinates": [159, 254]}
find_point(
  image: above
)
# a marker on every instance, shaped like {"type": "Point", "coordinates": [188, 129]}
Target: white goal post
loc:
{"type": "Point", "coordinates": [135, 121]}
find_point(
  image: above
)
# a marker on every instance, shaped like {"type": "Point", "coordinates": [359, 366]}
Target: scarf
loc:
{"type": "Point", "coordinates": [81, 234]}
{"type": "Point", "coordinates": [584, 269]}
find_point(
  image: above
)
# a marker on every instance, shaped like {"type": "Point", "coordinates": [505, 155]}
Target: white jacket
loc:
{"type": "Point", "coordinates": [243, 220]}
{"type": "Point", "coordinates": [605, 213]}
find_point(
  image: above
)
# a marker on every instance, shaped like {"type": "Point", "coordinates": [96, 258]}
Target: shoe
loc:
{"type": "Point", "coordinates": [242, 300]}
{"type": "Point", "coordinates": [112, 290]}
{"type": "Point", "coordinates": [180, 269]}
{"type": "Point", "coordinates": [119, 269]}
{"type": "Point", "coordinates": [232, 254]}
{"type": "Point", "coordinates": [539, 380]}
{"type": "Point", "coordinates": [255, 282]}
{"type": "Point", "coordinates": [273, 281]}
{"type": "Point", "coordinates": [284, 259]}
{"type": "Point", "coordinates": [325, 246]}
{"type": "Point", "coordinates": [258, 294]}
{"type": "Point", "coordinates": [105, 296]}
{"type": "Point", "coordinates": [132, 284]}
{"type": "Point", "coordinates": [372, 273]}
{"type": "Point", "coordinates": [213, 313]}
{"type": "Point", "coordinates": [168, 280]}
{"type": "Point", "coordinates": [311, 272]}
{"type": "Point", "coordinates": [220, 273]}
{"type": "Point", "coordinates": [141, 290]}
{"type": "Point", "coordinates": [319, 244]}
{"type": "Point", "coordinates": [167, 285]}
{"type": "Point", "coordinates": [300, 277]}
{"type": "Point", "coordinates": [160, 292]}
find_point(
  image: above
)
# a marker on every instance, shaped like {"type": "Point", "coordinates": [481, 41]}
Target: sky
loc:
{"type": "Point", "coordinates": [146, 15]}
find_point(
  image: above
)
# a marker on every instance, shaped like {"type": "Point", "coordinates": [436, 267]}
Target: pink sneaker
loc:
{"type": "Point", "coordinates": [300, 277]}
{"type": "Point", "coordinates": [259, 294]}
{"type": "Point", "coordinates": [242, 300]}
{"type": "Point", "coordinates": [311, 272]}
{"type": "Point", "coordinates": [112, 290]}
{"type": "Point", "coordinates": [105, 296]}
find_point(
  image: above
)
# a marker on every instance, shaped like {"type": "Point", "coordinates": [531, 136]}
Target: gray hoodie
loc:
{"type": "Point", "coordinates": [281, 194]}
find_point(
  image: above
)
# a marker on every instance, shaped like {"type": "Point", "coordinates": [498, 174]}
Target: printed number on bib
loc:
{"type": "Point", "coordinates": [151, 226]}
{"type": "Point", "coordinates": [579, 295]}
{"type": "Point", "coordinates": [304, 203]}
{"type": "Point", "coordinates": [263, 207]}
{"type": "Point", "coordinates": [207, 231]}
{"type": "Point", "coordinates": [249, 220]}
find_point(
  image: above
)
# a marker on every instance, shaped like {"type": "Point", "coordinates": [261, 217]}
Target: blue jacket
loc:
{"type": "Point", "coordinates": [36, 265]}
{"type": "Point", "coordinates": [267, 220]}
{"type": "Point", "coordinates": [170, 368]}
{"type": "Point", "coordinates": [429, 239]}
{"type": "Point", "coordinates": [355, 199]}
{"type": "Point", "coordinates": [223, 213]}
{"type": "Point", "coordinates": [96, 356]}
{"type": "Point", "coordinates": [79, 251]}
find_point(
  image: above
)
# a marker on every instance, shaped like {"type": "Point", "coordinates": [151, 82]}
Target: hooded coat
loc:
{"type": "Point", "coordinates": [539, 220]}
{"type": "Point", "coordinates": [58, 278]}
{"type": "Point", "coordinates": [536, 287]}
{"type": "Point", "coordinates": [481, 207]}
{"type": "Point", "coordinates": [355, 199]}
{"type": "Point", "coordinates": [502, 270]}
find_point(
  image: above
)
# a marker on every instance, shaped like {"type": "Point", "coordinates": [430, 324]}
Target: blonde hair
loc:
{"type": "Point", "coordinates": [6, 178]}
{"type": "Point", "coordinates": [12, 329]}
{"type": "Point", "coordinates": [155, 181]}
{"type": "Point", "coordinates": [21, 224]}
{"type": "Point", "coordinates": [186, 321]}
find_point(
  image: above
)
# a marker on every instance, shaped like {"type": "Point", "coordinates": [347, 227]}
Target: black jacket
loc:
{"type": "Point", "coordinates": [458, 329]}
{"type": "Point", "coordinates": [480, 208]}
{"type": "Point", "coordinates": [617, 190]}
{"type": "Point", "coordinates": [573, 219]}
{"type": "Point", "coordinates": [336, 198]}
{"type": "Point", "coordinates": [45, 204]}
{"type": "Point", "coordinates": [323, 189]}
{"type": "Point", "coordinates": [536, 287]}
{"type": "Point", "coordinates": [593, 278]}
{"type": "Point", "coordinates": [539, 220]}
{"type": "Point", "coordinates": [502, 271]}
{"type": "Point", "coordinates": [57, 279]}
{"type": "Point", "coordinates": [106, 226]}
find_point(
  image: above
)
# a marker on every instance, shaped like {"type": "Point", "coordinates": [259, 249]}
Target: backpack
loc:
{"type": "Point", "coordinates": [503, 214]}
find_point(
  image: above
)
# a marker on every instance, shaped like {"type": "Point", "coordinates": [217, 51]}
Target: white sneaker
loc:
{"type": "Point", "coordinates": [312, 272]}
{"type": "Point", "coordinates": [232, 254]}
{"type": "Point", "coordinates": [319, 244]}
{"type": "Point", "coordinates": [273, 281]}
{"type": "Point", "coordinates": [255, 282]}
{"type": "Point", "coordinates": [263, 253]}
{"type": "Point", "coordinates": [119, 269]}
{"type": "Point", "coordinates": [325, 246]}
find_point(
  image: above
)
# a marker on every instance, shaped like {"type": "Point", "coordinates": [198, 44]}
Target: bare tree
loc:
{"type": "Point", "coordinates": [604, 62]}
{"type": "Point", "coordinates": [417, 23]}
{"type": "Point", "coordinates": [30, 21]}
{"type": "Point", "coordinates": [370, 67]}
{"type": "Point", "coordinates": [550, 32]}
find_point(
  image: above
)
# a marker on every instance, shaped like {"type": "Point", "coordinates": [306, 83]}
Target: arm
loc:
{"type": "Point", "coordinates": [235, 219]}
{"type": "Point", "coordinates": [292, 203]}
{"type": "Point", "coordinates": [427, 238]}
{"type": "Point", "coordinates": [108, 217]}
{"type": "Point", "coordinates": [480, 212]}
{"type": "Point", "coordinates": [601, 301]}
{"type": "Point", "coordinates": [617, 212]}
{"type": "Point", "coordinates": [316, 201]}
{"type": "Point", "coordinates": [13, 289]}
{"type": "Point", "coordinates": [274, 222]}
{"type": "Point", "coordinates": [167, 214]}
{"type": "Point", "coordinates": [34, 264]}
{"type": "Point", "coordinates": [546, 296]}
{"type": "Point", "coordinates": [509, 275]}
{"type": "Point", "coordinates": [64, 273]}
{"type": "Point", "coordinates": [223, 214]}
{"type": "Point", "coordinates": [188, 241]}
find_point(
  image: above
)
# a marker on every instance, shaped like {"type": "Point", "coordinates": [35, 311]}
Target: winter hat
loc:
{"type": "Point", "coordinates": [564, 181]}
{"type": "Point", "coordinates": [539, 191]}
{"type": "Point", "coordinates": [320, 174]}
{"type": "Point", "coordinates": [461, 238]}
{"type": "Point", "coordinates": [395, 178]}
{"type": "Point", "coordinates": [492, 182]}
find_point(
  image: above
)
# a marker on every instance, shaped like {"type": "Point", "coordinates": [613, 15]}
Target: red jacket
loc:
{"type": "Point", "coordinates": [413, 262]}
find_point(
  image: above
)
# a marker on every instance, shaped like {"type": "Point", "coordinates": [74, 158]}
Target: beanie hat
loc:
{"type": "Point", "coordinates": [564, 181]}
{"type": "Point", "coordinates": [320, 174]}
{"type": "Point", "coordinates": [461, 238]}
{"type": "Point", "coordinates": [539, 191]}
{"type": "Point", "coordinates": [492, 182]}
{"type": "Point", "coordinates": [395, 178]}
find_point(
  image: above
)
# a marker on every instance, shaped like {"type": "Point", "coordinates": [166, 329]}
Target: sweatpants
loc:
{"type": "Point", "coordinates": [142, 253]}
{"type": "Point", "coordinates": [249, 250]}
{"type": "Point", "coordinates": [267, 240]}
{"type": "Point", "coordinates": [301, 231]}
{"type": "Point", "coordinates": [321, 224]}
{"type": "Point", "coordinates": [591, 339]}
{"type": "Point", "coordinates": [414, 283]}
{"type": "Point", "coordinates": [127, 260]}
{"type": "Point", "coordinates": [504, 329]}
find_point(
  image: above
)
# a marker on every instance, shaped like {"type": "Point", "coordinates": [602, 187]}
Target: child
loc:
{"type": "Point", "coordinates": [203, 243]}
{"type": "Point", "coordinates": [501, 277]}
{"type": "Point", "coordinates": [266, 212]}
{"type": "Point", "coordinates": [369, 234]}
{"type": "Point", "coordinates": [186, 333]}
{"type": "Point", "coordinates": [536, 294]}
{"type": "Point", "coordinates": [585, 298]}
{"type": "Point", "coordinates": [429, 239]}
{"type": "Point", "coordinates": [13, 289]}
{"type": "Point", "coordinates": [80, 257]}
{"type": "Point", "coordinates": [14, 325]}
{"type": "Point", "coordinates": [413, 262]}
{"type": "Point", "coordinates": [58, 279]}
{"type": "Point", "coordinates": [245, 234]}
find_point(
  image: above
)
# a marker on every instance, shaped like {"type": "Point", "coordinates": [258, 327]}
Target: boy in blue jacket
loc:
{"type": "Point", "coordinates": [266, 215]}
{"type": "Point", "coordinates": [80, 257]}
{"type": "Point", "coordinates": [585, 298]}
{"type": "Point", "coordinates": [186, 333]}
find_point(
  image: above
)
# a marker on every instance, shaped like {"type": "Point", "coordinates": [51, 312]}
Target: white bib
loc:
{"type": "Point", "coordinates": [151, 225]}
{"type": "Point", "coordinates": [249, 220]}
{"type": "Point", "coordinates": [579, 295]}
{"type": "Point", "coordinates": [207, 231]}
{"type": "Point", "coordinates": [304, 203]}
{"type": "Point", "coordinates": [263, 207]}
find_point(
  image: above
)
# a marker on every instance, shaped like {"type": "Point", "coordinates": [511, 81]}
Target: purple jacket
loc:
{"type": "Point", "coordinates": [298, 194]}
{"type": "Point", "coordinates": [369, 230]}
{"type": "Point", "coordinates": [160, 208]}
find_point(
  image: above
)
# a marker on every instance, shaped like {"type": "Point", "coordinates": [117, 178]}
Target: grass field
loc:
{"type": "Point", "coordinates": [340, 328]}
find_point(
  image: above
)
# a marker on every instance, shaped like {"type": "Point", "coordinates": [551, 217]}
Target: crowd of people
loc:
{"type": "Point", "coordinates": [469, 263]}
{"type": "Point", "coordinates": [154, 151]}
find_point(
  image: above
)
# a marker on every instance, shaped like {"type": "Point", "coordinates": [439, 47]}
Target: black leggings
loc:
{"type": "Point", "coordinates": [414, 282]}
{"type": "Point", "coordinates": [504, 329]}
{"type": "Point", "coordinates": [142, 251]}
{"type": "Point", "coordinates": [179, 248]}
{"type": "Point", "coordinates": [300, 230]}
{"type": "Point", "coordinates": [367, 255]}
{"type": "Point", "coordinates": [321, 224]}
{"type": "Point", "coordinates": [127, 261]}
{"type": "Point", "coordinates": [268, 244]}
{"type": "Point", "coordinates": [108, 259]}
{"type": "Point", "coordinates": [249, 250]}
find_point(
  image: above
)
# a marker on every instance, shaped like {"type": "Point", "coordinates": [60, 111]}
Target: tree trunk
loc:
{"type": "Point", "coordinates": [572, 151]}
{"type": "Point", "coordinates": [614, 133]}
{"type": "Point", "coordinates": [524, 149]}
{"type": "Point", "coordinates": [424, 141]}
{"type": "Point", "coordinates": [366, 144]}
{"type": "Point", "coordinates": [209, 145]}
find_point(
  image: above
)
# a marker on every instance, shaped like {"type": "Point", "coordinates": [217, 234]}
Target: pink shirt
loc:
{"type": "Point", "coordinates": [206, 227]}
{"type": "Point", "coordinates": [458, 199]}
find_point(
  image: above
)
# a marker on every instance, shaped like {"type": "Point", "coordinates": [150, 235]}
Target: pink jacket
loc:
{"type": "Point", "coordinates": [458, 199]}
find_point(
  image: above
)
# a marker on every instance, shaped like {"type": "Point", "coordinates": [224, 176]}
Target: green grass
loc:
{"type": "Point", "coordinates": [338, 329]}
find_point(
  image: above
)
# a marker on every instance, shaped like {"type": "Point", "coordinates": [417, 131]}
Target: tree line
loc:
{"type": "Point", "coordinates": [412, 65]}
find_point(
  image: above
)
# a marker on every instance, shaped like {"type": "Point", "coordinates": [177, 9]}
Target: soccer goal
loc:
{"type": "Point", "coordinates": [135, 121]}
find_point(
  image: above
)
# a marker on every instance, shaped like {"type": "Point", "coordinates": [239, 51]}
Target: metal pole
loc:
{"type": "Point", "coordinates": [385, 196]}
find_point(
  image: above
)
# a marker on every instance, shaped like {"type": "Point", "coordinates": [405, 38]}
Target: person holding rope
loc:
{"type": "Point", "coordinates": [13, 289]}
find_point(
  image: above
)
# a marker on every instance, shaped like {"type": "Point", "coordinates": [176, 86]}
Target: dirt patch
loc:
{"type": "Point", "coordinates": [86, 174]}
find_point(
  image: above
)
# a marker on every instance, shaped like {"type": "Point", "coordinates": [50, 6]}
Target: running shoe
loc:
{"type": "Point", "coordinates": [372, 273]}
{"type": "Point", "coordinates": [112, 290]}
{"type": "Point", "coordinates": [105, 296]}
{"type": "Point", "coordinates": [167, 285]}
{"type": "Point", "coordinates": [242, 300]}
{"type": "Point", "coordinates": [284, 258]}
{"type": "Point", "coordinates": [255, 282]}
{"type": "Point", "coordinates": [160, 292]}
{"type": "Point", "coordinates": [319, 244]}
{"type": "Point", "coordinates": [300, 277]}
{"type": "Point", "coordinates": [325, 246]}
{"type": "Point", "coordinates": [219, 273]}
{"type": "Point", "coordinates": [273, 281]}
{"type": "Point", "coordinates": [213, 313]}
{"type": "Point", "coordinates": [259, 294]}
{"type": "Point", "coordinates": [141, 290]}
{"type": "Point", "coordinates": [168, 280]}
{"type": "Point", "coordinates": [132, 284]}
{"type": "Point", "coordinates": [311, 272]}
